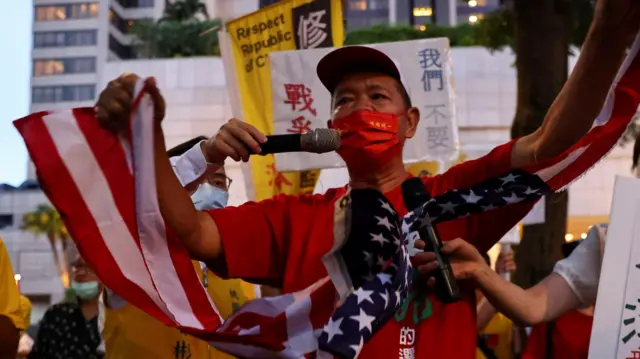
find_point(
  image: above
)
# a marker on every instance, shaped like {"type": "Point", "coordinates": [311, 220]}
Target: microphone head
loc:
{"type": "Point", "coordinates": [320, 140]}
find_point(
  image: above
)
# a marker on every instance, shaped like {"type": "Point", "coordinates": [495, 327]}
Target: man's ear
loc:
{"type": "Point", "coordinates": [413, 118]}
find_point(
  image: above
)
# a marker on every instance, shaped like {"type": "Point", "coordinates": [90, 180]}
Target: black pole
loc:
{"type": "Point", "coordinates": [412, 18]}
{"type": "Point", "coordinates": [434, 17]}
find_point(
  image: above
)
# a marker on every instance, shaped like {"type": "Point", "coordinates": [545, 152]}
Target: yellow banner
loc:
{"type": "Point", "coordinates": [253, 37]}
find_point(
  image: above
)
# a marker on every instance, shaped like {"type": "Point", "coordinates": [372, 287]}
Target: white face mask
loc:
{"type": "Point", "coordinates": [209, 197]}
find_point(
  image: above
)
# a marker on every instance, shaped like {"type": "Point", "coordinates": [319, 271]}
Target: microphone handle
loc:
{"type": "Point", "coordinates": [446, 284]}
{"type": "Point", "coordinates": [281, 143]}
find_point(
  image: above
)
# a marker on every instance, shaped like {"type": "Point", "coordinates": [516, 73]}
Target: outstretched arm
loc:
{"type": "Point", "coordinates": [583, 95]}
{"type": "Point", "coordinates": [543, 302]}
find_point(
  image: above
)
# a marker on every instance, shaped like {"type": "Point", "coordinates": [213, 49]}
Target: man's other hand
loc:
{"type": "Point", "coordinates": [621, 15]}
{"type": "Point", "coordinates": [113, 108]}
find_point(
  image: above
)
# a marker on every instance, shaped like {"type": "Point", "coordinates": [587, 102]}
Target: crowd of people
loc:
{"type": "Point", "coordinates": [287, 254]}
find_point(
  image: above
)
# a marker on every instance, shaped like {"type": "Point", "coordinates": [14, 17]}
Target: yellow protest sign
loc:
{"type": "Point", "coordinates": [285, 25]}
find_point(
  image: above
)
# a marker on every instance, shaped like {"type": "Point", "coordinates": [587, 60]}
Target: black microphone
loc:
{"type": "Point", "coordinates": [319, 140]}
{"type": "Point", "coordinates": [415, 195]}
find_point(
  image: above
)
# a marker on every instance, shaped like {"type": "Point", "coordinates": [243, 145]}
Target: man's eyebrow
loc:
{"type": "Point", "coordinates": [377, 87]}
{"type": "Point", "coordinates": [341, 91]}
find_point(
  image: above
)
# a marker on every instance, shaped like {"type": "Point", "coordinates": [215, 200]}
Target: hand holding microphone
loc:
{"type": "Point", "coordinates": [239, 140]}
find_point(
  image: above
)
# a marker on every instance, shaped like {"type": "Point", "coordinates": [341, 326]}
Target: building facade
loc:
{"type": "Point", "coordinates": [74, 39]}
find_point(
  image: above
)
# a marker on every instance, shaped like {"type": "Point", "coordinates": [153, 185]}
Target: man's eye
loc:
{"type": "Point", "coordinates": [342, 101]}
{"type": "Point", "coordinates": [378, 96]}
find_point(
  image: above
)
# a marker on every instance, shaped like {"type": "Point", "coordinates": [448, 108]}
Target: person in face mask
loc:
{"type": "Point", "coordinates": [126, 329]}
{"type": "Point", "coordinates": [70, 330]}
{"type": "Point", "coordinates": [281, 241]}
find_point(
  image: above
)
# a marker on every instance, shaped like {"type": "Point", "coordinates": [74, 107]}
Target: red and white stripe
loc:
{"type": "Point", "coordinates": [617, 112]}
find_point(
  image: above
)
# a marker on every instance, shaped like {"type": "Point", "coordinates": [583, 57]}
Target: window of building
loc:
{"type": "Point", "coordinates": [122, 51]}
{"type": "Point", "coordinates": [6, 220]}
{"type": "Point", "coordinates": [66, 11]}
{"type": "Point", "coordinates": [136, 3]}
{"type": "Point", "coordinates": [359, 5]}
{"type": "Point", "coordinates": [65, 38]}
{"type": "Point", "coordinates": [378, 4]}
{"type": "Point", "coordinates": [72, 65]}
{"type": "Point", "coordinates": [53, 94]}
{"type": "Point", "coordinates": [118, 22]}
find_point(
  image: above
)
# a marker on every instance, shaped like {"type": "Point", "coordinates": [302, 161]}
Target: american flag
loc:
{"type": "Point", "coordinates": [104, 188]}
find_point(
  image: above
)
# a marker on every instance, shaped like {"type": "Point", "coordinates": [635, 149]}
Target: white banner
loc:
{"type": "Point", "coordinates": [615, 326]}
{"type": "Point", "coordinates": [301, 102]}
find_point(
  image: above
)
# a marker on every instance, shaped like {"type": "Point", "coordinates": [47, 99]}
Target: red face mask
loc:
{"type": "Point", "coordinates": [369, 140]}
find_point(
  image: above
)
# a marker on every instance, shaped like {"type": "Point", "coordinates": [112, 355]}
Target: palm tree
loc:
{"type": "Point", "coordinates": [184, 10]}
{"type": "Point", "coordinates": [45, 220]}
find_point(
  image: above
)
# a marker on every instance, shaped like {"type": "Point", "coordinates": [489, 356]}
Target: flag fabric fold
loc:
{"type": "Point", "coordinates": [104, 188]}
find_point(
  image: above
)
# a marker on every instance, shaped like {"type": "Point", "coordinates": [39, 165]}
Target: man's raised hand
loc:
{"type": "Point", "coordinates": [113, 108]}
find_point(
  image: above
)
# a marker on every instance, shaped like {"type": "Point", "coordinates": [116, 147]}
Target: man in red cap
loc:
{"type": "Point", "coordinates": [288, 236]}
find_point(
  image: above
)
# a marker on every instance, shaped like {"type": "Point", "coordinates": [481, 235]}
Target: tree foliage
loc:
{"type": "Point", "coordinates": [461, 35]}
{"type": "Point", "coordinates": [184, 10]}
{"type": "Point", "coordinates": [496, 30]}
{"type": "Point", "coordinates": [184, 30]}
{"type": "Point", "coordinates": [45, 220]}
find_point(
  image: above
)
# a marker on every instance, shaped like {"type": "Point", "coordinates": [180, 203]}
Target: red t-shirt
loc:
{"type": "Point", "coordinates": [570, 334]}
{"type": "Point", "coordinates": [281, 242]}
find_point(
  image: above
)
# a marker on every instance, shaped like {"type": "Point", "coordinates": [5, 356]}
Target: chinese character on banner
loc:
{"type": "Point", "coordinates": [407, 336]}
{"type": "Point", "coordinates": [434, 113]}
{"type": "Point", "coordinates": [635, 354]}
{"type": "Point", "coordinates": [182, 350]}
{"type": "Point", "coordinates": [300, 125]}
{"type": "Point", "coordinates": [407, 353]}
{"type": "Point", "coordinates": [299, 95]}
{"type": "Point", "coordinates": [277, 179]}
{"type": "Point", "coordinates": [437, 137]}
{"type": "Point", "coordinates": [312, 30]}
{"type": "Point", "coordinates": [432, 68]}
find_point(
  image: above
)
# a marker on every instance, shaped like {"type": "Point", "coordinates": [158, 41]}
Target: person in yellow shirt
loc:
{"type": "Point", "coordinates": [128, 332]}
{"type": "Point", "coordinates": [11, 317]}
{"type": "Point", "coordinates": [495, 331]}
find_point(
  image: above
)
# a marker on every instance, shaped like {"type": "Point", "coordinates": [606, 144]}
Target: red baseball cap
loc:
{"type": "Point", "coordinates": [334, 66]}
